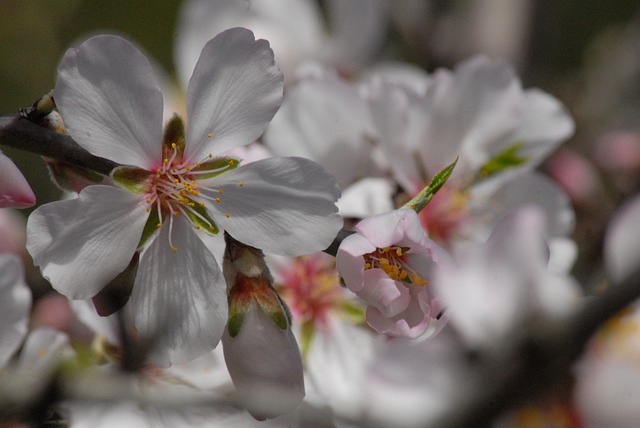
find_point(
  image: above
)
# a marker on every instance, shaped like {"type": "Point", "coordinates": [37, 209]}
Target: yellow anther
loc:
{"type": "Point", "coordinates": [221, 191]}
{"type": "Point", "coordinates": [188, 168]}
{"type": "Point", "coordinates": [176, 181]}
{"type": "Point", "coordinates": [209, 135]}
{"type": "Point", "coordinates": [416, 279]}
{"type": "Point", "coordinates": [158, 225]}
{"type": "Point", "coordinates": [197, 164]}
{"type": "Point", "coordinates": [241, 184]}
{"type": "Point", "coordinates": [173, 145]}
{"type": "Point", "coordinates": [175, 213]}
{"type": "Point", "coordinates": [227, 215]}
{"type": "Point", "coordinates": [166, 161]}
{"type": "Point", "coordinates": [174, 249]}
{"type": "Point", "coordinates": [201, 204]}
{"type": "Point", "coordinates": [367, 266]}
{"type": "Point", "coordinates": [217, 199]}
{"type": "Point", "coordinates": [399, 252]}
{"type": "Point", "coordinates": [231, 162]}
{"type": "Point", "coordinates": [211, 228]}
{"type": "Point", "coordinates": [210, 155]}
{"type": "Point", "coordinates": [158, 171]}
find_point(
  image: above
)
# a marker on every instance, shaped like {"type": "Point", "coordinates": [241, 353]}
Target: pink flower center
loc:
{"type": "Point", "coordinates": [443, 217]}
{"type": "Point", "coordinates": [174, 191]}
{"type": "Point", "coordinates": [392, 260]}
{"type": "Point", "coordinates": [311, 287]}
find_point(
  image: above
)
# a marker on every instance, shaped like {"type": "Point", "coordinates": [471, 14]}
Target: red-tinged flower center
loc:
{"type": "Point", "coordinates": [311, 287]}
{"type": "Point", "coordinates": [443, 217]}
{"type": "Point", "coordinates": [392, 260]}
{"type": "Point", "coordinates": [174, 190]}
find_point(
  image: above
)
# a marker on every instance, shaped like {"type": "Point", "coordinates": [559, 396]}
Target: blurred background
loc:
{"type": "Point", "coordinates": [584, 52]}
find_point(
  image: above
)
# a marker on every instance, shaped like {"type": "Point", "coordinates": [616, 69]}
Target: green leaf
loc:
{"type": "Point", "coordinates": [508, 158]}
{"type": "Point", "coordinates": [135, 180]}
{"type": "Point", "coordinates": [424, 197]}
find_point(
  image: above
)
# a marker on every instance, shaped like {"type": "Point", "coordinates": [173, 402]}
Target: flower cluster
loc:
{"type": "Point", "coordinates": [367, 242]}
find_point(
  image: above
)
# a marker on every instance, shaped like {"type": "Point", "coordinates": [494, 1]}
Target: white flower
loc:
{"type": "Point", "coordinates": [15, 298]}
{"type": "Point", "coordinates": [112, 107]}
{"type": "Point", "coordinates": [498, 284]}
{"type": "Point", "coordinates": [294, 27]}
{"type": "Point", "coordinates": [480, 114]}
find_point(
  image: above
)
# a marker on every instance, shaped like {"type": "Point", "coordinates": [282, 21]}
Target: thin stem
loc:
{"type": "Point", "coordinates": [21, 134]}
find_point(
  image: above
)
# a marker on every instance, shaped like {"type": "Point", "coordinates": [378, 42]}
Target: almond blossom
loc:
{"type": "Point", "coordinates": [388, 263]}
{"type": "Point", "coordinates": [296, 29]}
{"type": "Point", "coordinates": [495, 285]}
{"type": "Point", "coordinates": [172, 188]}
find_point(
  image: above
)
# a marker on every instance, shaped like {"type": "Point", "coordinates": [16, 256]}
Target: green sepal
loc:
{"type": "Point", "coordinates": [135, 180]}
{"type": "Point", "coordinates": [307, 331]}
{"type": "Point", "coordinates": [424, 197]}
{"type": "Point", "coordinates": [236, 318]}
{"type": "Point", "coordinates": [211, 228]}
{"type": "Point", "coordinates": [150, 228]}
{"type": "Point", "coordinates": [274, 307]}
{"type": "Point", "coordinates": [352, 311]}
{"type": "Point", "coordinates": [240, 300]}
{"type": "Point", "coordinates": [215, 167]}
{"type": "Point", "coordinates": [508, 158]}
{"type": "Point", "coordinates": [173, 134]}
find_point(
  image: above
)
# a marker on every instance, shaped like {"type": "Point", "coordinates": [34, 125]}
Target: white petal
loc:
{"type": "Point", "coordinates": [14, 189]}
{"type": "Point", "coordinates": [607, 391]}
{"type": "Point", "coordinates": [286, 205]}
{"type": "Point", "coordinates": [110, 102]}
{"type": "Point", "coordinates": [392, 227]}
{"type": "Point", "coordinates": [469, 112]}
{"type": "Point", "coordinates": [336, 366]}
{"type": "Point", "coordinates": [233, 94]}
{"type": "Point", "coordinates": [399, 118]}
{"type": "Point", "coordinates": [265, 364]}
{"type": "Point", "coordinates": [81, 244]}
{"type": "Point", "coordinates": [43, 350]}
{"type": "Point", "coordinates": [349, 260]}
{"type": "Point", "coordinates": [15, 300]}
{"type": "Point", "coordinates": [328, 121]}
{"type": "Point", "coordinates": [86, 313]}
{"type": "Point", "coordinates": [367, 197]}
{"type": "Point", "coordinates": [388, 296]}
{"type": "Point", "coordinates": [531, 188]}
{"type": "Point", "coordinates": [292, 27]}
{"type": "Point", "coordinates": [179, 298]}
{"type": "Point", "coordinates": [622, 244]}
{"type": "Point", "coordinates": [545, 124]}
{"type": "Point", "coordinates": [358, 30]}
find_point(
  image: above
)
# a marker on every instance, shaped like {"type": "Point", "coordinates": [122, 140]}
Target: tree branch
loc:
{"type": "Point", "coordinates": [20, 133]}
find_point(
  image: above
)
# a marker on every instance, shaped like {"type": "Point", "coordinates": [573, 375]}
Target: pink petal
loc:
{"type": "Point", "coordinates": [14, 189]}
